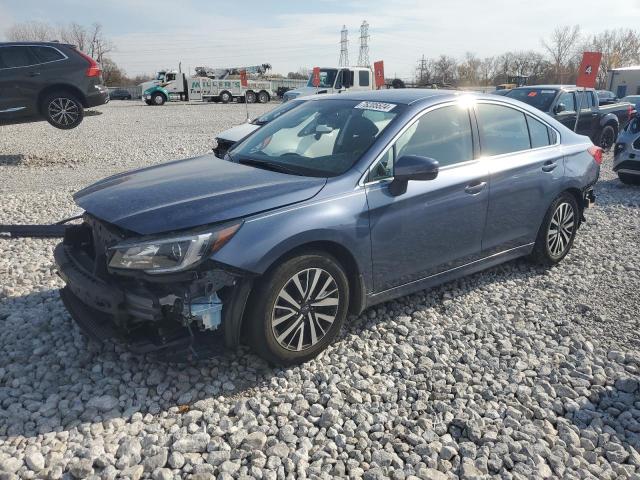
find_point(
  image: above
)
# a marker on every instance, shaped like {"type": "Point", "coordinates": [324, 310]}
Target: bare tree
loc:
{"type": "Point", "coordinates": [75, 34]}
{"type": "Point", "coordinates": [97, 45]}
{"type": "Point", "coordinates": [561, 47]}
{"type": "Point", "coordinates": [469, 69]}
{"type": "Point", "coordinates": [619, 48]}
{"type": "Point", "coordinates": [445, 69]}
{"type": "Point", "coordinates": [487, 70]}
{"type": "Point", "coordinates": [31, 32]}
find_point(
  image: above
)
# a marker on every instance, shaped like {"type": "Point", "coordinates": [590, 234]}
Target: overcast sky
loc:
{"type": "Point", "coordinates": [153, 34]}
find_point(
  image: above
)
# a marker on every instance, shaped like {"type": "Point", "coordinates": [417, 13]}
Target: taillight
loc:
{"type": "Point", "coordinates": [596, 153]}
{"type": "Point", "coordinates": [94, 68]}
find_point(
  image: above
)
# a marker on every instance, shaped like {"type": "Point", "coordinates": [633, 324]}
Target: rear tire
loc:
{"type": "Point", "coordinates": [263, 97]}
{"type": "Point", "coordinates": [250, 97]}
{"type": "Point", "coordinates": [298, 308]}
{"type": "Point", "coordinates": [629, 179]}
{"type": "Point", "coordinates": [607, 137]}
{"type": "Point", "coordinates": [62, 110]}
{"type": "Point", "coordinates": [557, 232]}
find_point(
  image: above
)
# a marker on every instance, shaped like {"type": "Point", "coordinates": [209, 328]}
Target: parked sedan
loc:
{"type": "Point", "coordinates": [605, 97]}
{"type": "Point", "coordinates": [227, 139]}
{"type": "Point", "coordinates": [337, 205]}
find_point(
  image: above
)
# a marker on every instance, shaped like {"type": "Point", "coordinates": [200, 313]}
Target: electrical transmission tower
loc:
{"type": "Point", "coordinates": [344, 47]}
{"type": "Point", "coordinates": [363, 57]}
{"type": "Point", "coordinates": [422, 71]}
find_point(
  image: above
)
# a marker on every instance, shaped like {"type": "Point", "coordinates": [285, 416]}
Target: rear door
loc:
{"type": "Point", "coordinates": [18, 85]}
{"type": "Point", "coordinates": [526, 167]}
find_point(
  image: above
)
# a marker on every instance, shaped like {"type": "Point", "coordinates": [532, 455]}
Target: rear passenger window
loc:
{"type": "Point", "coordinates": [502, 129]}
{"type": "Point", "coordinates": [46, 54]}
{"type": "Point", "coordinates": [12, 57]}
{"type": "Point", "coordinates": [363, 78]}
{"type": "Point", "coordinates": [538, 132]}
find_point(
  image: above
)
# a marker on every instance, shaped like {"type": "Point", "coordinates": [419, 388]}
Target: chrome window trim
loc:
{"type": "Point", "coordinates": [35, 64]}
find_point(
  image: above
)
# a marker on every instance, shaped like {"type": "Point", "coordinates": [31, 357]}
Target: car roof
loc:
{"type": "Point", "coordinates": [405, 96]}
{"type": "Point", "coordinates": [22, 43]}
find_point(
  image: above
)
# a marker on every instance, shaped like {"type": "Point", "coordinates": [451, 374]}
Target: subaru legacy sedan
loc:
{"type": "Point", "coordinates": [342, 203]}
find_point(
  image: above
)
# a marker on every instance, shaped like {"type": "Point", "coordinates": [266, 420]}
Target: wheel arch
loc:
{"type": "Point", "coordinates": [357, 294]}
{"type": "Point", "coordinates": [61, 87]}
{"type": "Point", "coordinates": [576, 193]}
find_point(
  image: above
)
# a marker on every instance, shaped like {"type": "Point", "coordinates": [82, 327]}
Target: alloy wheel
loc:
{"type": "Point", "coordinates": [561, 229]}
{"type": "Point", "coordinates": [305, 309]}
{"type": "Point", "coordinates": [63, 111]}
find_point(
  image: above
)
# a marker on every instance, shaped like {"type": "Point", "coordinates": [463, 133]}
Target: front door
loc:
{"type": "Point", "coordinates": [435, 225]}
{"type": "Point", "coordinates": [526, 167]}
{"type": "Point", "coordinates": [568, 115]}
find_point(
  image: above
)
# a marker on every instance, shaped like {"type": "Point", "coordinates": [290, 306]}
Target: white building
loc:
{"type": "Point", "coordinates": [624, 81]}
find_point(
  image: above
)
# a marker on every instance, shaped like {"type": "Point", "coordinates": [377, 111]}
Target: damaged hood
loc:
{"type": "Point", "coordinates": [189, 193]}
{"type": "Point", "coordinates": [237, 133]}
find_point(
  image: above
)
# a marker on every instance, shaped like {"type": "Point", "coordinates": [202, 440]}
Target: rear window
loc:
{"type": "Point", "coordinates": [540, 98]}
{"type": "Point", "coordinates": [17, 56]}
{"type": "Point", "coordinates": [46, 54]}
{"type": "Point", "coordinates": [502, 130]}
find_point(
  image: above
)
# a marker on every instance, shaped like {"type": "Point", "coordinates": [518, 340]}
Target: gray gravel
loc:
{"type": "Point", "coordinates": [517, 372]}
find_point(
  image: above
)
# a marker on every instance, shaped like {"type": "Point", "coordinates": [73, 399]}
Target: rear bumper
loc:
{"type": "Point", "coordinates": [99, 96]}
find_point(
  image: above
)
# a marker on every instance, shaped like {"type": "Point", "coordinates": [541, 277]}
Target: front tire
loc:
{"type": "Point", "coordinates": [557, 232]}
{"type": "Point", "coordinates": [607, 137]}
{"type": "Point", "coordinates": [158, 99]}
{"type": "Point", "coordinates": [298, 309]}
{"type": "Point", "coordinates": [629, 179]}
{"type": "Point", "coordinates": [62, 110]}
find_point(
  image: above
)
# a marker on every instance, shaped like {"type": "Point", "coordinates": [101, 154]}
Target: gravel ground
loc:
{"type": "Point", "coordinates": [516, 372]}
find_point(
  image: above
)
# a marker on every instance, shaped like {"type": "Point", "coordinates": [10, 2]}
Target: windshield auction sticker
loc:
{"type": "Point", "coordinates": [377, 106]}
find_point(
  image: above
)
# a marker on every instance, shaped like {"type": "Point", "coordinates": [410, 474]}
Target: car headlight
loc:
{"type": "Point", "coordinates": [166, 255]}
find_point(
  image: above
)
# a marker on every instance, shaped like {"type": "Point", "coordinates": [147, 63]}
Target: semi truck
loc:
{"type": "Point", "coordinates": [335, 80]}
{"type": "Point", "coordinates": [177, 86]}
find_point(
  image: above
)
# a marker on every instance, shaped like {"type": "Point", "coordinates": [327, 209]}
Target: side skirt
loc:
{"type": "Point", "coordinates": [448, 275]}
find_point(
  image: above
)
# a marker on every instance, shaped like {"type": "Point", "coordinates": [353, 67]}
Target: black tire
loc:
{"type": "Point", "coordinates": [148, 102]}
{"type": "Point", "coordinates": [250, 97]}
{"type": "Point", "coordinates": [62, 110]}
{"type": "Point", "coordinates": [607, 137]}
{"type": "Point", "coordinates": [263, 97]}
{"type": "Point", "coordinates": [550, 248]}
{"type": "Point", "coordinates": [629, 179]}
{"type": "Point", "coordinates": [270, 340]}
{"type": "Point", "coordinates": [158, 99]}
{"type": "Point", "coordinates": [225, 97]}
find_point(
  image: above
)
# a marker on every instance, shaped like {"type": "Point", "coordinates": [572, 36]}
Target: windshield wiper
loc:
{"type": "Point", "coordinates": [276, 167]}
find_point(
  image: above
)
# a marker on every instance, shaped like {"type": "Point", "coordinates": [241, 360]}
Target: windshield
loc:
{"type": "Point", "coordinates": [160, 76]}
{"type": "Point", "coordinates": [319, 138]}
{"type": "Point", "coordinates": [541, 98]}
{"type": "Point", "coordinates": [276, 112]}
{"type": "Point", "coordinates": [327, 78]}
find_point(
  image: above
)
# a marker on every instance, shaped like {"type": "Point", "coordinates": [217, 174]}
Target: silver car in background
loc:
{"type": "Point", "coordinates": [626, 160]}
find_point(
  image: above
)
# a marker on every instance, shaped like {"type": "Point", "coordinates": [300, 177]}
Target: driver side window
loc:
{"type": "Point", "coordinates": [568, 101]}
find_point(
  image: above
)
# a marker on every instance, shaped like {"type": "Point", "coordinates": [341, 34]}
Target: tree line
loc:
{"type": "Point", "coordinates": [557, 61]}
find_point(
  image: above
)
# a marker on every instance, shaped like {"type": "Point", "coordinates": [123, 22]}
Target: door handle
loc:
{"type": "Point", "coordinates": [475, 187]}
{"type": "Point", "coordinates": [549, 165]}
{"type": "Point", "coordinates": [34, 74]}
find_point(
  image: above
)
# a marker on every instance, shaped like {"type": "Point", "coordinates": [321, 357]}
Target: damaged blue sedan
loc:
{"type": "Point", "coordinates": [342, 203]}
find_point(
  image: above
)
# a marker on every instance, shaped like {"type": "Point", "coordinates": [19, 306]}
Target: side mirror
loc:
{"type": "Point", "coordinates": [412, 167]}
{"type": "Point", "coordinates": [561, 107]}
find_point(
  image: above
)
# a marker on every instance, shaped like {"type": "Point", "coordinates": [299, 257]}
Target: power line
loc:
{"type": "Point", "coordinates": [344, 47]}
{"type": "Point", "coordinates": [363, 57]}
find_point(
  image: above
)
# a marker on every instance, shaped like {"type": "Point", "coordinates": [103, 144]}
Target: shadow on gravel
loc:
{"type": "Point", "coordinates": [52, 378]}
{"type": "Point", "coordinates": [609, 420]}
{"type": "Point", "coordinates": [11, 160]}
{"type": "Point", "coordinates": [92, 113]}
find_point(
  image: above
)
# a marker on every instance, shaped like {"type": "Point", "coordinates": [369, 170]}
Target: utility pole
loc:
{"type": "Point", "coordinates": [363, 57]}
{"type": "Point", "coordinates": [344, 47]}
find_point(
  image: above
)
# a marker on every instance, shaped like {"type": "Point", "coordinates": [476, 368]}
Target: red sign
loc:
{"type": "Point", "coordinates": [589, 69]}
{"type": "Point", "coordinates": [316, 77]}
{"type": "Point", "coordinates": [378, 71]}
{"type": "Point", "coordinates": [243, 78]}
